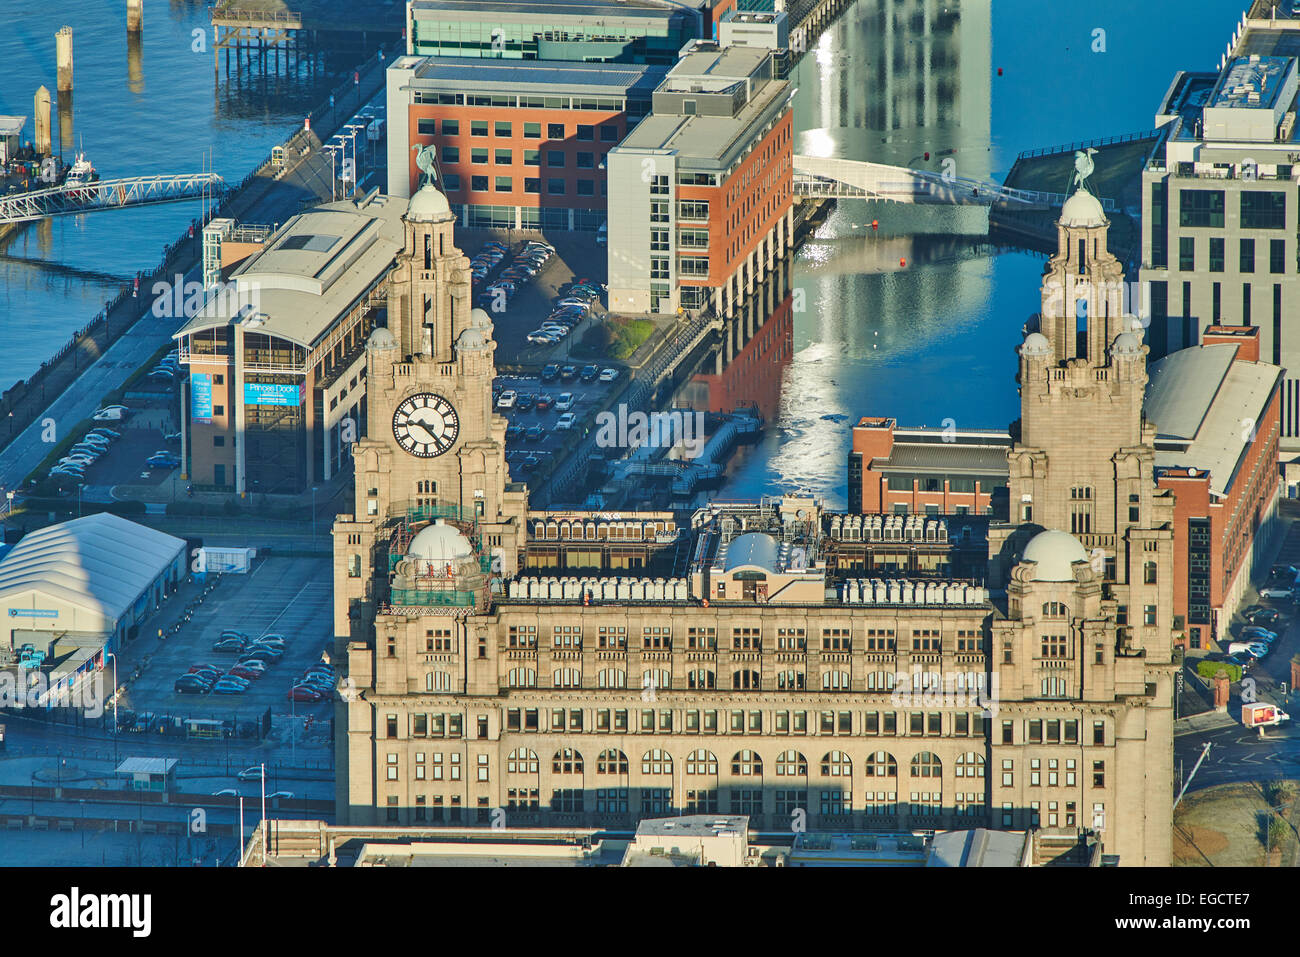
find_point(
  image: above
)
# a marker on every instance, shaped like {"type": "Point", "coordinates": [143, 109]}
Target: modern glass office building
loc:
{"type": "Point", "coordinates": [631, 31]}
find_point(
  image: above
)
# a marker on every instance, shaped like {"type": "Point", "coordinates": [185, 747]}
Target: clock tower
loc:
{"type": "Point", "coordinates": [435, 450]}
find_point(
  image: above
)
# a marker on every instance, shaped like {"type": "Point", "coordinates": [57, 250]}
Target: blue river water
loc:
{"type": "Point", "coordinates": [925, 342]}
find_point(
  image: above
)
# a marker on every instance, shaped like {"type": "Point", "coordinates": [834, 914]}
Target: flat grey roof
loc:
{"type": "Point", "coordinates": [979, 847]}
{"type": "Point", "coordinates": [945, 457]}
{"type": "Point", "coordinates": [544, 12]}
{"type": "Point", "coordinates": [1204, 399]}
{"type": "Point", "coordinates": [694, 825]}
{"type": "Point", "coordinates": [1181, 386]}
{"type": "Point", "coordinates": [1245, 76]}
{"type": "Point", "coordinates": [146, 766]}
{"type": "Point", "coordinates": [313, 269]}
{"type": "Point", "coordinates": [478, 75]}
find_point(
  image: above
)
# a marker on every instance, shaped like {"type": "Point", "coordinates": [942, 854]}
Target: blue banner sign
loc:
{"type": "Point", "coordinates": [200, 397]}
{"type": "Point", "coordinates": [272, 393]}
{"type": "Point", "coordinates": [33, 612]}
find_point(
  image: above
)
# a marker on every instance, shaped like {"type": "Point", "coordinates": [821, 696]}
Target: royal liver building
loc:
{"type": "Point", "coordinates": [806, 668]}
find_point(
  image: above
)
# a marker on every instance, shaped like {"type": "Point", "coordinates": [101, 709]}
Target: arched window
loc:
{"type": "Point", "coordinates": [567, 678]}
{"type": "Point", "coordinates": [791, 764]}
{"type": "Point", "coordinates": [880, 681]}
{"type": "Point", "coordinates": [881, 765]}
{"type": "Point", "coordinates": [701, 761]}
{"type": "Point", "coordinates": [745, 680]}
{"type": "Point", "coordinates": [835, 681]}
{"type": "Point", "coordinates": [927, 765]}
{"type": "Point", "coordinates": [836, 764]}
{"type": "Point", "coordinates": [613, 678]}
{"type": "Point", "coordinates": [970, 765]}
{"type": "Point", "coordinates": [437, 681]}
{"type": "Point", "coordinates": [1055, 609]}
{"type": "Point", "coordinates": [522, 678]}
{"type": "Point", "coordinates": [746, 764]}
{"type": "Point", "coordinates": [566, 761]}
{"type": "Point", "coordinates": [611, 762]}
{"type": "Point", "coordinates": [656, 761]}
{"type": "Point", "coordinates": [522, 761]}
{"type": "Point", "coordinates": [701, 678]}
{"type": "Point", "coordinates": [790, 680]}
{"type": "Point", "coordinates": [656, 678]}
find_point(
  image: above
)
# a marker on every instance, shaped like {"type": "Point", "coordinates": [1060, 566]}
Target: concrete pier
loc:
{"type": "Point", "coordinates": [134, 16]}
{"type": "Point", "coordinates": [42, 140]}
{"type": "Point", "coordinates": [63, 45]}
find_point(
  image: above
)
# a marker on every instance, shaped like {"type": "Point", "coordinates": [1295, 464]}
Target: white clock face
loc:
{"type": "Point", "coordinates": [425, 425]}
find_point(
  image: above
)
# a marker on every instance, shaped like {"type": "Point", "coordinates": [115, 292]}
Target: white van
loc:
{"type": "Point", "coordinates": [602, 234]}
{"type": "Point", "coordinates": [1252, 648]}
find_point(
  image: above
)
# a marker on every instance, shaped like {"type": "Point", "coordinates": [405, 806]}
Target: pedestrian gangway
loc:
{"type": "Point", "coordinates": [818, 177]}
{"type": "Point", "coordinates": [69, 200]}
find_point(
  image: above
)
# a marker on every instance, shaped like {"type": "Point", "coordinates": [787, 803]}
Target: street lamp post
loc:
{"type": "Point", "coordinates": [353, 129]}
{"type": "Point", "coordinates": [313, 518]}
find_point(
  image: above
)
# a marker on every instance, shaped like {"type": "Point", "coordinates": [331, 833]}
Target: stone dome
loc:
{"type": "Point", "coordinates": [1036, 344]}
{"type": "Point", "coordinates": [381, 338]}
{"type": "Point", "coordinates": [1082, 209]}
{"type": "Point", "coordinates": [439, 543]}
{"type": "Point", "coordinates": [428, 205]}
{"type": "Point", "coordinates": [479, 318]}
{"type": "Point", "coordinates": [1126, 344]}
{"type": "Point", "coordinates": [1053, 554]}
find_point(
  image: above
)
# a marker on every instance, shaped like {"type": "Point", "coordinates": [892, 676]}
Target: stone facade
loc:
{"type": "Point", "coordinates": [730, 661]}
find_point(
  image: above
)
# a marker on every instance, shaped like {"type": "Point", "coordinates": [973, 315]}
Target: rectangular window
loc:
{"type": "Point", "coordinates": [478, 184]}
{"type": "Point", "coordinates": [1262, 210]}
{"type": "Point", "coordinates": [1216, 254]}
{"type": "Point", "coordinates": [532, 131]}
{"type": "Point", "coordinates": [503, 157]}
{"type": "Point", "coordinates": [1202, 207]}
{"type": "Point", "coordinates": [532, 157]}
{"type": "Point", "coordinates": [426, 127]}
{"type": "Point", "coordinates": [586, 187]}
{"type": "Point", "coordinates": [478, 155]}
{"type": "Point", "coordinates": [1246, 250]}
{"type": "Point", "coordinates": [451, 181]}
{"type": "Point", "coordinates": [608, 133]}
{"type": "Point", "coordinates": [555, 186]}
{"type": "Point", "coordinates": [478, 127]}
{"type": "Point", "coordinates": [1277, 256]}
{"type": "Point", "coordinates": [451, 127]}
{"type": "Point", "coordinates": [502, 128]}
{"type": "Point", "coordinates": [532, 184]}
{"type": "Point", "coordinates": [1187, 254]}
{"type": "Point", "coordinates": [555, 131]}
{"type": "Point", "coordinates": [502, 184]}
{"type": "Point", "coordinates": [555, 159]}
{"type": "Point", "coordinates": [586, 161]}
{"type": "Point", "coordinates": [586, 133]}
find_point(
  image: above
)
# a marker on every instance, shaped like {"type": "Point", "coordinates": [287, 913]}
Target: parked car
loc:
{"type": "Point", "coordinates": [530, 463]}
{"type": "Point", "coordinates": [108, 433]}
{"type": "Point", "coordinates": [507, 400]}
{"type": "Point", "coordinates": [191, 684]}
{"type": "Point", "coordinates": [565, 402]}
{"type": "Point", "coordinates": [534, 433]}
{"type": "Point", "coordinates": [247, 672]}
{"type": "Point", "coordinates": [540, 337]}
{"type": "Point", "coordinates": [304, 694]}
{"type": "Point", "coordinates": [525, 402]}
{"type": "Point", "coordinates": [267, 655]}
{"type": "Point", "coordinates": [569, 373]}
{"type": "Point", "coordinates": [250, 774]}
{"type": "Point", "coordinates": [1253, 648]}
{"type": "Point", "coordinates": [1255, 633]}
{"type": "Point", "coordinates": [550, 372]}
{"type": "Point", "coordinates": [230, 684]}
{"type": "Point", "coordinates": [589, 373]}
{"type": "Point", "coordinates": [162, 462]}
{"type": "Point", "coordinates": [544, 402]}
{"type": "Point", "coordinates": [111, 415]}
{"type": "Point", "coordinates": [565, 421]}
{"type": "Point", "coordinates": [228, 644]}
{"type": "Point", "coordinates": [1267, 618]}
{"type": "Point", "coordinates": [514, 433]}
{"type": "Point", "coordinates": [608, 375]}
{"type": "Point", "coordinates": [1275, 591]}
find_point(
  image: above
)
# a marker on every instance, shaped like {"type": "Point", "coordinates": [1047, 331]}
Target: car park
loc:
{"type": "Point", "coordinates": [565, 421]}
{"type": "Point", "coordinates": [608, 375]}
{"type": "Point", "coordinates": [564, 402]}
